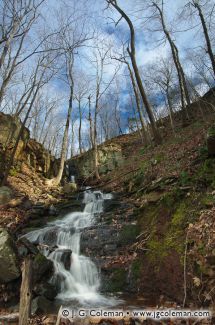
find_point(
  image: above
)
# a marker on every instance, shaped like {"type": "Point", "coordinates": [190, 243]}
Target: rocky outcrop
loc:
{"type": "Point", "coordinates": [28, 150]}
{"type": "Point", "coordinates": [110, 157]}
{"type": "Point", "coordinates": [9, 266]}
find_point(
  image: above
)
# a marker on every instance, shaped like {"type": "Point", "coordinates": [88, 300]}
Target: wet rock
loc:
{"type": "Point", "coordinates": [66, 257]}
{"type": "Point", "coordinates": [52, 210]}
{"type": "Point", "coordinates": [9, 265]}
{"type": "Point", "coordinates": [47, 290]}
{"type": "Point", "coordinates": [98, 240]}
{"type": "Point", "coordinates": [5, 195]}
{"type": "Point", "coordinates": [40, 305]}
{"type": "Point", "coordinates": [50, 237]}
{"type": "Point", "coordinates": [110, 205]}
{"type": "Point", "coordinates": [42, 267]}
{"type": "Point", "coordinates": [25, 247]}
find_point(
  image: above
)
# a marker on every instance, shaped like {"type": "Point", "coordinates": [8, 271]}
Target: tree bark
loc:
{"type": "Point", "coordinates": [90, 121]}
{"type": "Point", "coordinates": [80, 126]}
{"type": "Point", "coordinates": [56, 181]}
{"type": "Point", "coordinates": [143, 131]}
{"type": "Point", "coordinates": [26, 292]}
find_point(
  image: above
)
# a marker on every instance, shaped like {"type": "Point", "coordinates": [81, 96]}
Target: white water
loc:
{"type": "Point", "coordinates": [80, 280]}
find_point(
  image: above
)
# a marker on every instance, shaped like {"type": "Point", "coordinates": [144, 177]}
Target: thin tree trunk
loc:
{"type": "Point", "coordinates": [171, 113]}
{"type": "Point", "coordinates": [91, 124]}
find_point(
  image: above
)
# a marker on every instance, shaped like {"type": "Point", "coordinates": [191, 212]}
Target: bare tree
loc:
{"type": "Point", "coordinates": [132, 53]}
{"type": "Point", "coordinates": [70, 38]}
{"type": "Point", "coordinates": [17, 18]}
{"type": "Point", "coordinates": [161, 74]}
{"type": "Point", "coordinates": [100, 60]}
{"type": "Point", "coordinates": [198, 7]}
{"type": "Point", "coordinates": [185, 98]}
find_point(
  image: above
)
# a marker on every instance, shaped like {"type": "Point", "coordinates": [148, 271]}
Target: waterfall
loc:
{"type": "Point", "coordinates": [76, 276]}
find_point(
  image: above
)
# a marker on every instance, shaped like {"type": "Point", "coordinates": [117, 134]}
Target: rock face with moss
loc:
{"type": "Point", "coordinates": [28, 150]}
{"type": "Point", "coordinates": [110, 157]}
{"type": "Point", "coordinates": [9, 266]}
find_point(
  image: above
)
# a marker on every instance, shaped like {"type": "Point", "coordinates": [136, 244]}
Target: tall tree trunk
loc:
{"type": "Point", "coordinates": [95, 145]}
{"type": "Point", "coordinates": [56, 181]}
{"type": "Point", "coordinates": [171, 113]}
{"type": "Point", "coordinates": [132, 54]}
{"type": "Point", "coordinates": [185, 98]}
{"type": "Point", "coordinates": [140, 113]}
{"type": "Point", "coordinates": [91, 124]}
{"type": "Point", "coordinates": [80, 126]}
{"type": "Point", "coordinates": [206, 35]}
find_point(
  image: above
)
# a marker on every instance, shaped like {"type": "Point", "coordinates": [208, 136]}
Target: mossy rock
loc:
{"type": "Point", "coordinates": [9, 264]}
{"type": "Point", "coordinates": [117, 281]}
{"type": "Point", "coordinates": [41, 267]}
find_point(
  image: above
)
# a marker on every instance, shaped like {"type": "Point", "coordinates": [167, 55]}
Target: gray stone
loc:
{"type": "Point", "coordinates": [9, 265]}
{"type": "Point", "coordinates": [47, 290]}
{"type": "Point", "coordinates": [41, 305]}
{"type": "Point", "coordinates": [42, 267]}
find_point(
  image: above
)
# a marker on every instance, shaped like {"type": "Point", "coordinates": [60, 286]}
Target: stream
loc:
{"type": "Point", "coordinates": [76, 276]}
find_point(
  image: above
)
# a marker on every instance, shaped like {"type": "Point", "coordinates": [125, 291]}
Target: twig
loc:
{"type": "Point", "coordinates": [185, 270]}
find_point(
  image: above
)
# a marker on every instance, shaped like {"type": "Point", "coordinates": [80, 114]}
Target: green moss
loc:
{"type": "Point", "coordinates": [211, 131]}
{"type": "Point", "coordinates": [178, 218]}
{"type": "Point", "coordinates": [118, 280]}
{"type": "Point", "coordinates": [172, 237]}
{"type": "Point", "coordinates": [158, 158]}
{"type": "Point", "coordinates": [208, 200]}
{"type": "Point", "coordinates": [128, 234]}
{"type": "Point", "coordinates": [39, 259]}
{"type": "Point", "coordinates": [206, 173]}
{"type": "Point", "coordinates": [171, 199]}
{"type": "Point", "coordinates": [203, 152]}
{"type": "Point", "coordinates": [13, 171]}
{"type": "Point", "coordinates": [136, 268]}
{"type": "Point", "coordinates": [184, 179]}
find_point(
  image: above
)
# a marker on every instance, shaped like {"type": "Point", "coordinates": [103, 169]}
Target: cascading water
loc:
{"type": "Point", "coordinates": [78, 278]}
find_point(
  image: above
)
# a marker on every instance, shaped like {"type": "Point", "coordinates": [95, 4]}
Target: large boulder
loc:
{"type": "Point", "coordinates": [42, 266]}
{"type": "Point", "coordinates": [47, 290]}
{"type": "Point", "coordinates": [5, 194]}
{"type": "Point", "coordinates": [9, 266]}
{"type": "Point", "coordinates": [41, 305]}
